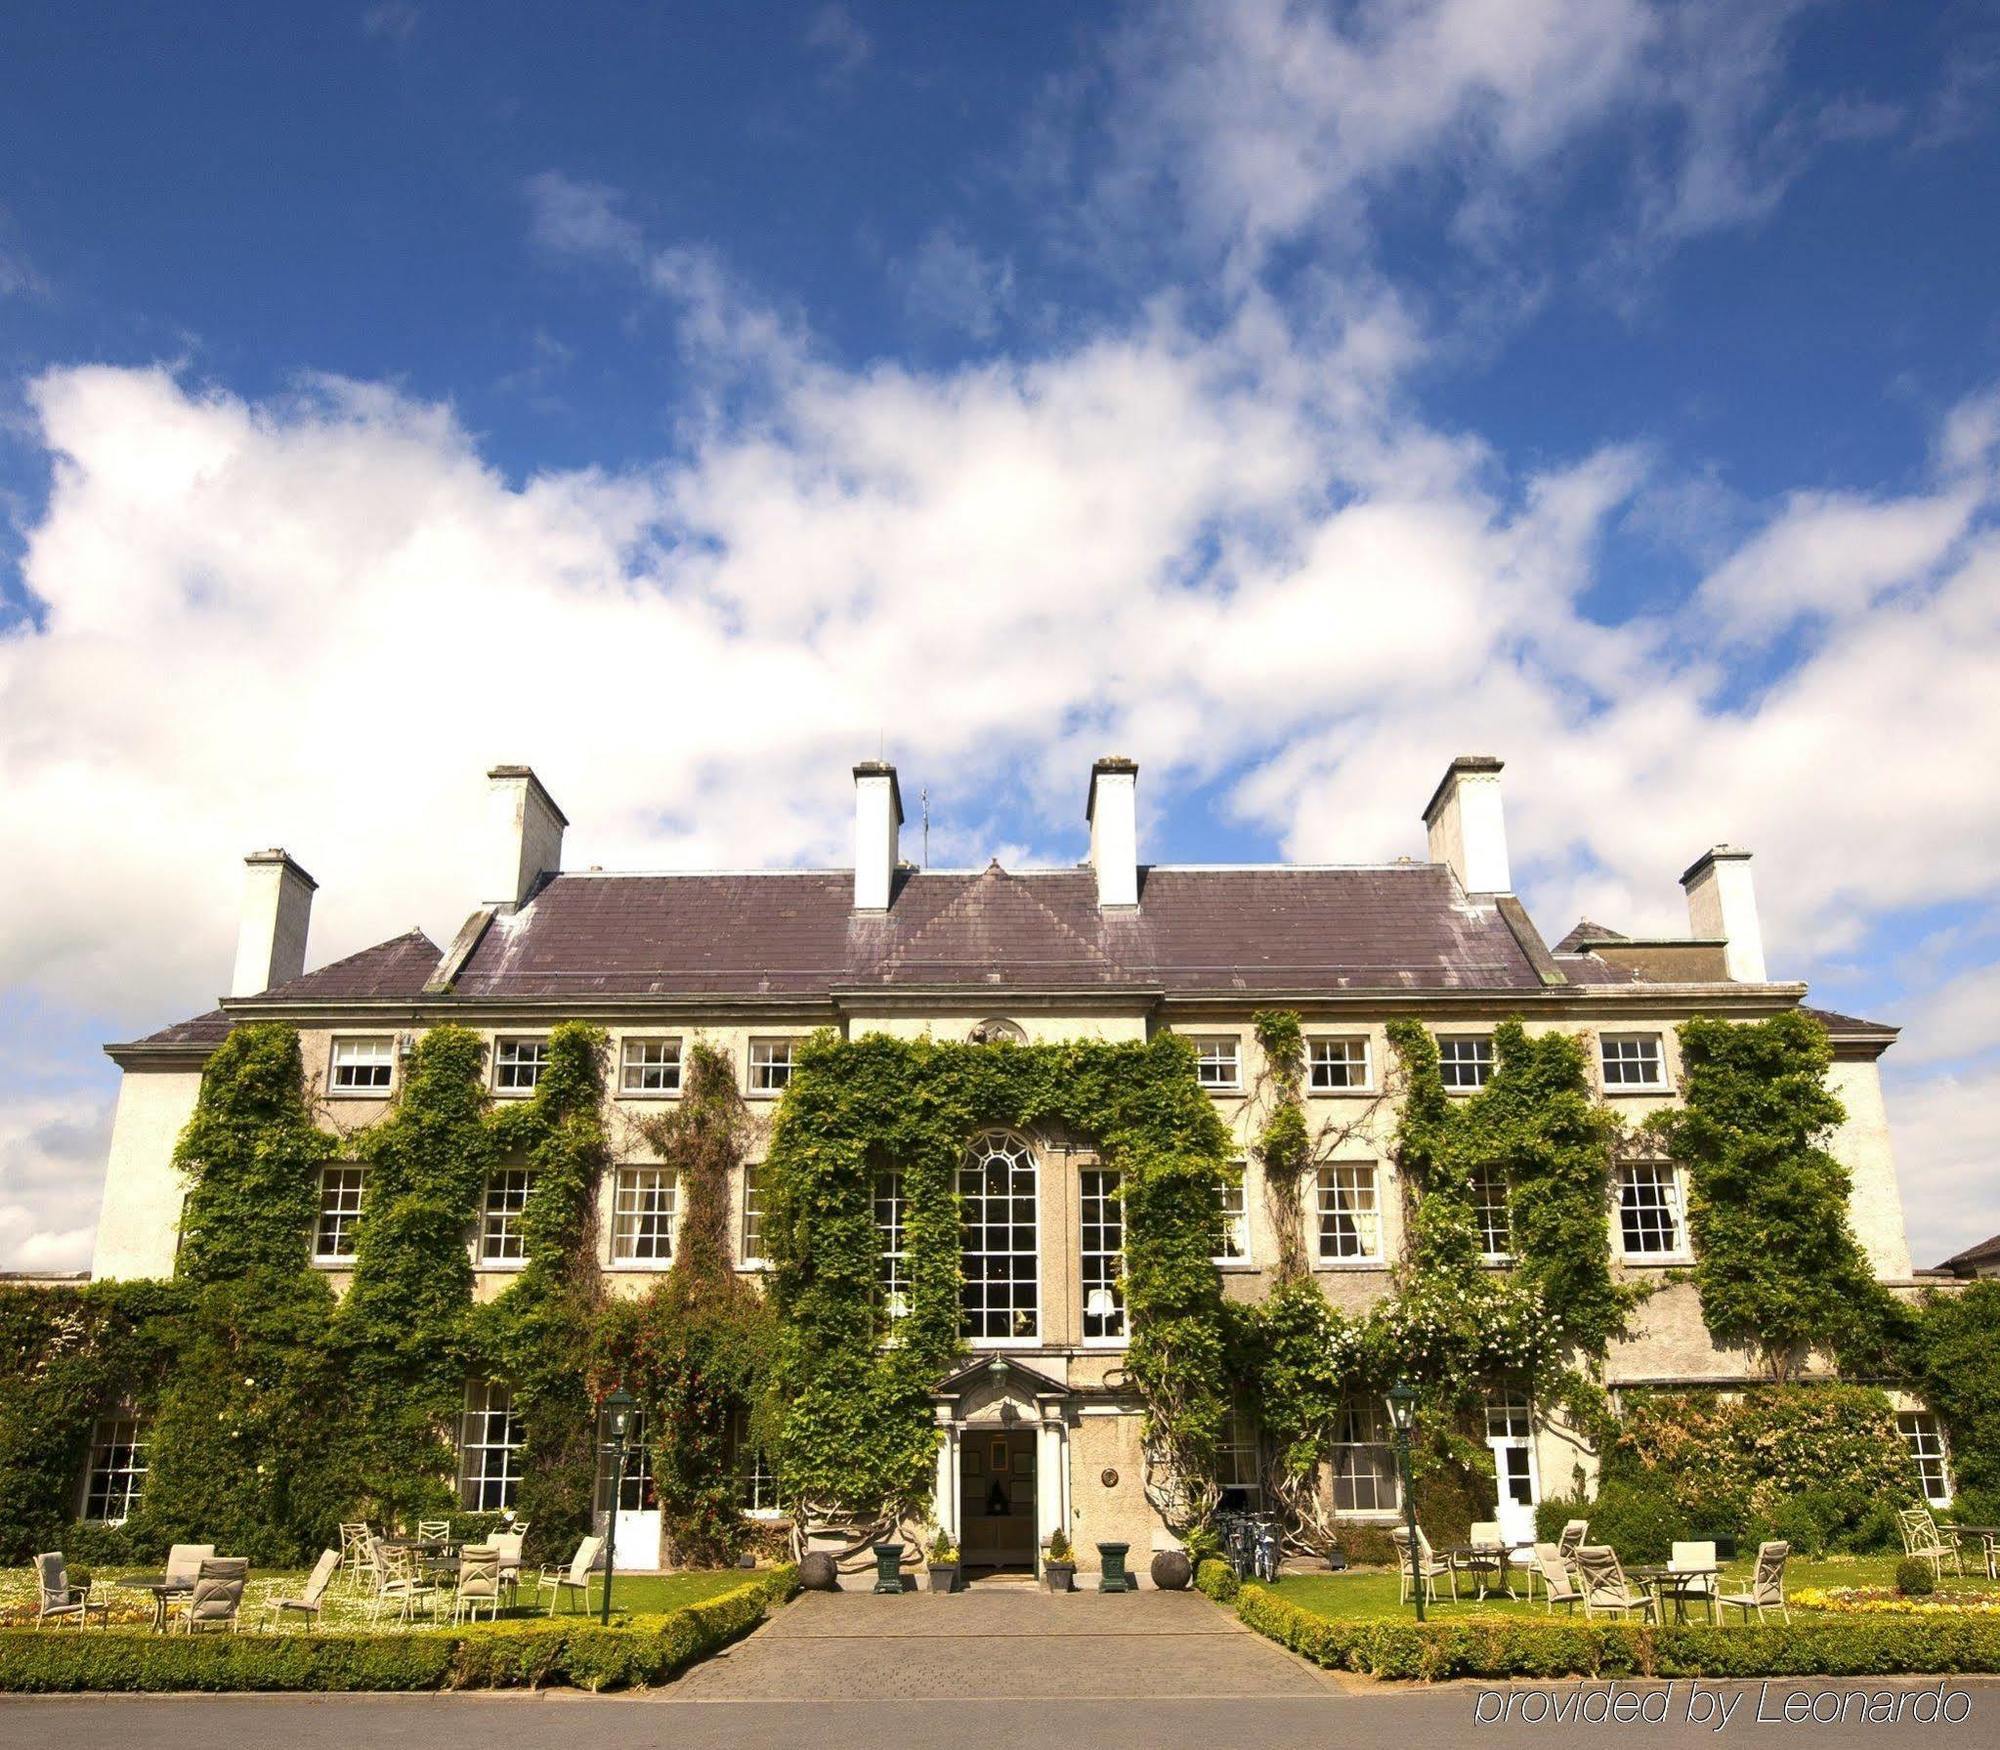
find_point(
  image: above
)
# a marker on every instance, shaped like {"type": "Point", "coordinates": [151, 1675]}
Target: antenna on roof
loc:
{"type": "Point", "coordinates": [924, 798]}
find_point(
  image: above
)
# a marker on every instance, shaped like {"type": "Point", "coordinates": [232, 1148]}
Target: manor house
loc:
{"type": "Point", "coordinates": [1041, 1429]}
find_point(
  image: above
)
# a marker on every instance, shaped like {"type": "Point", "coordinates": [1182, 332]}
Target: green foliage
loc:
{"type": "Point", "coordinates": [1284, 1145]}
{"type": "Point", "coordinates": [1777, 1265]}
{"type": "Point", "coordinates": [575, 1651]}
{"type": "Point", "coordinates": [858, 1438]}
{"type": "Point", "coordinates": [697, 1348]}
{"type": "Point", "coordinates": [1952, 1359]}
{"type": "Point", "coordinates": [1915, 1578]}
{"type": "Point", "coordinates": [1501, 1647]}
{"type": "Point", "coordinates": [1217, 1579]}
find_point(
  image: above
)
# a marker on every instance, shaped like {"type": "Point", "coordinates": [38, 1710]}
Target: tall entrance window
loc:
{"type": "Point", "coordinates": [1510, 1437]}
{"type": "Point", "coordinates": [892, 1266]}
{"type": "Point", "coordinates": [117, 1475]}
{"type": "Point", "coordinates": [636, 1496]}
{"type": "Point", "coordinates": [489, 1448]}
{"type": "Point", "coordinates": [1000, 1299]}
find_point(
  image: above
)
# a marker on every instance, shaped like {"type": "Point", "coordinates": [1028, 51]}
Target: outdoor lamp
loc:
{"type": "Point", "coordinates": [618, 1407]}
{"type": "Point", "coordinates": [1402, 1401]}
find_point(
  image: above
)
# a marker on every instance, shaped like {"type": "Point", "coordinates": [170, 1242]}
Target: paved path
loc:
{"type": "Point", "coordinates": [1001, 1643]}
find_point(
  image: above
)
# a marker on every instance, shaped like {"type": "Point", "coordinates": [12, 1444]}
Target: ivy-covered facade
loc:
{"type": "Point", "coordinates": [1004, 1203]}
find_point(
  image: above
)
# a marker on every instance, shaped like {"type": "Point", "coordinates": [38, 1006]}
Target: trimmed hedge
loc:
{"type": "Point", "coordinates": [1218, 1579]}
{"type": "Point", "coordinates": [577, 1652]}
{"type": "Point", "coordinates": [1931, 1645]}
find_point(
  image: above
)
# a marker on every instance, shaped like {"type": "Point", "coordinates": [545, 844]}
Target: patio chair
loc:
{"type": "Point", "coordinates": [434, 1530]}
{"type": "Point", "coordinates": [307, 1604]}
{"type": "Point", "coordinates": [1605, 1587]}
{"type": "Point", "coordinates": [60, 1599]}
{"type": "Point", "coordinates": [1693, 1557]}
{"type": "Point", "coordinates": [478, 1583]}
{"type": "Point", "coordinates": [1574, 1531]}
{"type": "Point", "coordinates": [1484, 1561]}
{"type": "Point", "coordinates": [1559, 1583]}
{"type": "Point", "coordinates": [1428, 1566]}
{"type": "Point", "coordinates": [573, 1580]}
{"type": "Point", "coordinates": [1923, 1539]}
{"type": "Point", "coordinates": [184, 1562]}
{"type": "Point", "coordinates": [1767, 1584]}
{"type": "Point", "coordinates": [402, 1582]}
{"type": "Point", "coordinates": [357, 1552]}
{"type": "Point", "coordinates": [217, 1598]}
{"type": "Point", "coordinates": [508, 1545]}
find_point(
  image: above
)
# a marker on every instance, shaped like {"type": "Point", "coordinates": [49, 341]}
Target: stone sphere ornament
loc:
{"type": "Point", "coordinates": [817, 1572]}
{"type": "Point", "coordinates": [1171, 1570]}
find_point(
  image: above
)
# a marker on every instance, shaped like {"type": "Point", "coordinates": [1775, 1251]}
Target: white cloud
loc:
{"type": "Point", "coordinates": [839, 40]}
{"type": "Point", "coordinates": [51, 1175]}
{"type": "Point", "coordinates": [1942, 1128]}
{"type": "Point", "coordinates": [951, 283]}
{"type": "Point", "coordinates": [1960, 1019]}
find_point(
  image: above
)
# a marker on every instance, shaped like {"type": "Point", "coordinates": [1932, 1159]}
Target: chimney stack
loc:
{"type": "Point", "coordinates": [271, 939]}
{"type": "Point", "coordinates": [878, 816]}
{"type": "Point", "coordinates": [1467, 826]}
{"type": "Point", "coordinates": [1112, 809]}
{"type": "Point", "coordinates": [524, 836]}
{"type": "Point", "coordinates": [1722, 902]}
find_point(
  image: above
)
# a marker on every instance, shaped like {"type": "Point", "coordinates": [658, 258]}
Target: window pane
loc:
{"type": "Point", "coordinates": [363, 1064]}
{"type": "Point", "coordinates": [1633, 1060]}
{"type": "Point", "coordinates": [1235, 1221]}
{"type": "Point", "coordinates": [1925, 1440]}
{"type": "Point", "coordinates": [489, 1448]}
{"type": "Point", "coordinates": [892, 1274]}
{"type": "Point", "coordinates": [756, 1481]}
{"type": "Point", "coordinates": [1000, 1295]}
{"type": "Point", "coordinates": [1334, 1064]}
{"type": "Point", "coordinates": [770, 1065]}
{"type": "Point", "coordinates": [1648, 1209]}
{"type": "Point", "coordinates": [1350, 1223]}
{"type": "Point", "coordinates": [1364, 1461]}
{"type": "Point", "coordinates": [1102, 1245]}
{"type": "Point", "coordinates": [518, 1064]}
{"type": "Point", "coordinates": [117, 1475]}
{"type": "Point", "coordinates": [500, 1239]}
{"type": "Point", "coordinates": [1489, 1212]}
{"type": "Point", "coordinates": [642, 1215]}
{"type": "Point", "coordinates": [752, 1251]}
{"type": "Point", "coordinates": [650, 1066]}
{"type": "Point", "coordinates": [636, 1495]}
{"type": "Point", "coordinates": [1466, 1061]}
{"type": "Point", "coordinates": [1238, 1468]}
{"type": "Point", "coordinates": [1215, 1063]}
{"type": "Point", "coordinates": [340, 1191]}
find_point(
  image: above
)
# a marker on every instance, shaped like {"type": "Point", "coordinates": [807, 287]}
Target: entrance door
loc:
{"type": "Point", "coordinates": [996, 1496]}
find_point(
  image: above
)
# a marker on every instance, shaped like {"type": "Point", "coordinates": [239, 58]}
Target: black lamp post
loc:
{"type": "Point", "coordinates": [1402, 1398]}
{"type": "Point", "coordinates": [618, 1412]}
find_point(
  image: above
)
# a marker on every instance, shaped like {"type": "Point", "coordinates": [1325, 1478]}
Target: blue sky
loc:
{"type": "Point", "coordinates": [690, 400]}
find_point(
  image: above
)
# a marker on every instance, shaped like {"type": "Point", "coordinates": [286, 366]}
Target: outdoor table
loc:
{"type": "Point", "coordinates": [1461, 1555]}
{"type": "Point", "coordinates": [1681, 1584]}
{"type": "Point", "coordinates": [162, 1589]}
{"type": "Point", "coordinates": [1989, 1538]}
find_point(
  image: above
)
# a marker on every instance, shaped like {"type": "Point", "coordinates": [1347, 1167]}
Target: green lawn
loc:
{"type": "Point", "coordinates": [1371, 1592]}
{"type": "Point", "coordinates": [346, 1609]}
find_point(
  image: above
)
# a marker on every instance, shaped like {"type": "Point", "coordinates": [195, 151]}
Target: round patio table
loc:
{"type": "Point", "coordinates": [1462, 1555]}
{"type": "Point", "coordinates": [162, 1589]}
{"type": "Point", "coordinates": [1681, 1584]}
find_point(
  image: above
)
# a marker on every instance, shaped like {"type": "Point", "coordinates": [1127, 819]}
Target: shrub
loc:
{"type": "Point", "coordinates": [1915, 1578]}
{"type": "Point", "coordinates": [1639, 1523]}
{"type": "Point", "coordinates": [1218, 1579]}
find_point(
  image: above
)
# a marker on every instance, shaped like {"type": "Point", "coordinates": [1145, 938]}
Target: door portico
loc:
{"type": "Point", "coordinates": [998, 1419]}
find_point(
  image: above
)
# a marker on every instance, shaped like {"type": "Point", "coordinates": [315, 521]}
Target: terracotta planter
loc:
{"type": "Point", "coordinates": [1172, 1570]}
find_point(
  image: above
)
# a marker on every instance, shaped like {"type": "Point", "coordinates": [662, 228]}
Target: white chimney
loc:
{"type": "Point", "coordinates": [878, 815]}
{"type": "Point", "coordinates": [1112, 809]}
{"type": "Point", "coordinates": [1722, 902]}
{"type": "Point", "coordinates": [524, 836]}
{"type": "Point", "coordinates": [271, 939]}
{"type": "Point", "coordinates": [1468, 828]}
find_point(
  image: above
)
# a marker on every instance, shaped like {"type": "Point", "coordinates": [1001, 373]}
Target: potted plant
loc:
{"type": "Point", "coordinates": [943, 1563]}
{"type": "Point", "coordinates": [1059, 1566]}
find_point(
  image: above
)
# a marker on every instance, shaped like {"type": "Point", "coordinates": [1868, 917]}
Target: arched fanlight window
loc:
{"type": "Point", "coordinates": [997, 1032]}
{"type": "Point", "coordinates": [1001, 1293]}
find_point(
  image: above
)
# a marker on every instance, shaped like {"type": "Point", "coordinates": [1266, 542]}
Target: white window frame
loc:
{"type": "Point", "coordinates": [509, 1065]}
{"type": "Point", "coordinates": [501, 1202]}
{"type": "Point", "coordinates": [1662, 1175]}
{"type": "Point", "coordinates": [385, 1063]}
{"type": "Point", "coordinates": [636, 1211]}
{"type": "Point", "coordinates": [342, 1187]}
{"type": "Point", "coordinates": [114, 1473]}
{"type": "Point", "coordinates": [482, 1489]}
{"type": "Point", "coordinates": [1482, 1059]}
{"type": "Point", "coordinates": [750, 1252]}
{"type": "Point", "coordinates": [1100, 1220]}
{"type": "Point", "coordinates": [1336, 1196]}
{"type": "Point", "coordinates": [1324, 1069]}
{"type": "Point", "coordinates": [1363, 1428]}
{"type": "Point", "coordinates": [1241, 1450]}
{"type": "Point", "coordinates": [756, 1480]}
{"type": "Point", "coordinates": [759, 1084]}
{"type": "Point", "coordinates": [638, 1480]}
{"type": "Point", "coordinates": [633, 1073]}
{"type": "Point", "coordinates": [889, 1203]}
{"type": "Point", "coordinates": [1930, 1454]}
{"type": "Point", "coordinates": [1218, 1062]}
{"type": "Point", "coordinates": [1235, 1220]}
{"type": "Point", "coordinates": [1621, 1082]}
{"type": "Point", "coordinates": [1484, 1182]}
{"type": "Point", "coordinates": [1026, 1324]}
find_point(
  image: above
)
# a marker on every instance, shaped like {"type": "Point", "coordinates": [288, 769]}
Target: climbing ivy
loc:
{"type": "Point", "coordinates": [696, 1348]}
{"type": "Point", "coordinates": [858, 1437]}
{"type": "Point", "coordinates": [1777, 1266]}
{"type": "Point", "coordinates": [1283, 1148]}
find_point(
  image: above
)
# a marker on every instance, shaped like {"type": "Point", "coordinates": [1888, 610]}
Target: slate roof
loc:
{"type": "Point", "coordinates": [1986, 1252]}
{"type": "Point", "coordinates": [1404, 927]}
{"type": "Point", "coordinates": [1586, 931]}
{"type": "Point", "coordinates": [208, 1029]}
{"type": "Point", "coordinates": [395, 968]}
{"type": "Point", "coordinates": [1834, 1022]}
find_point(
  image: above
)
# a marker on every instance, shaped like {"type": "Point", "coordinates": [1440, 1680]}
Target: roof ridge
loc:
{"type": "Point", "coordinates": [989, 878]}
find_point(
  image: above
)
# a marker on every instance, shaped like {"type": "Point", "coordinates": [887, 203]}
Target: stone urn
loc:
{"type": "Point", "coordinates": [817, 1572]}
{"type": "Point", "coordinates": [1172, 1570]}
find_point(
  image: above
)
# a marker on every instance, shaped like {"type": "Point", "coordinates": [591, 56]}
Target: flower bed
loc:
{"type": "Point", "coordinates": [1878, 1601]}
{"type": "Point", "coordinates": [572, 1651]}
